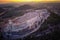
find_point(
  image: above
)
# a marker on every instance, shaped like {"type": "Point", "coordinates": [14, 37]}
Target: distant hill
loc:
{"type": "Point", "coordinates": [17, 11]}
{"type": "Point", "coordinates": [25, 7]}
{"type": "Point", "coordinates": [1, 10]}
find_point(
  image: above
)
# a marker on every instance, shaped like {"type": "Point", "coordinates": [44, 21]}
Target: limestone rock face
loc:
{"type": "Point", "coordinates": [26, 24]}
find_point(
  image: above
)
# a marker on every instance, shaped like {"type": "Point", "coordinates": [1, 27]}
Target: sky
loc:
{"type": "Point", "coordinates": [14, 1]}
